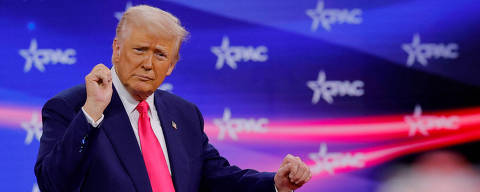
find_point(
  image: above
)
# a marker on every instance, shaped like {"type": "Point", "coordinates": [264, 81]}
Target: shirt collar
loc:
{"type": "Point", "coordinates": [128, 101]}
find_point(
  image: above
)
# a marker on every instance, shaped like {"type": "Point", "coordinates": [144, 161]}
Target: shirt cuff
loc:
{"type": "Point", "coordinates": [276, 190]}
{"type": "Point", "coordinates": [90, 119]}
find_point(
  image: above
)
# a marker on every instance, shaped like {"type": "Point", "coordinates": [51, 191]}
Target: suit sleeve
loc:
{"type": "Point", "coordinates": [220, 176]}
{"type": "Point", "coordinates": [62, 160]}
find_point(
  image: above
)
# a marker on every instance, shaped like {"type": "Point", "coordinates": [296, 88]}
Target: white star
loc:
{"type": "Point", "coordinates": [118, 15]}
{"type": "Point", "coordinates": [31, 57]}
{"type": "Point", "coordinates": [33, 128]}
{"type": "Point", "coordinates": [224, 54]}
{"type": "Point", "coordinates": [417, 122]}
{"type": "Point", "coordinates": [317, 87]}
{"type": "Point", "coordinates": [417, 112]}
{"type": "Point", "coordinates": [322, 152]}
{"type": "Point", "coordinates": [413, 51]}
{"type": "Point", "coordinates": [225, 125]}
{"type": "Point", "coordinates": [316, 15]}
{"type": "Point", "coordinates": [323, 160]}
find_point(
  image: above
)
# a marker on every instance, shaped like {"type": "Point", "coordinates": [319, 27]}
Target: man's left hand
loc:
{"type": "Point", "coordinates": [292, 174]}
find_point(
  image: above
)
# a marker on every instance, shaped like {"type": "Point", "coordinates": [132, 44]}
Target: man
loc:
{"type": "Point", "coordinates": [119, 133]}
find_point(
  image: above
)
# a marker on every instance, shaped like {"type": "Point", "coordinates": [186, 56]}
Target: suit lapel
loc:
{"type": "Point", "coordinates": [176, 152]}
{"type": "Point", "coordinates": [119, 131]}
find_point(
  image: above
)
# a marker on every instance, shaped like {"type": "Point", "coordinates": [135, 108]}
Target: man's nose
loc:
{"type": "Point", "coordinates": [147, 62]}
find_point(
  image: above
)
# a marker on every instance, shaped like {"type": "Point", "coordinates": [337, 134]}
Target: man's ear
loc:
{"type": "Point", "coordinates": [116, 51]}
{"type": "Point", "coordinates": [171, 67]}
{"type": "Point", "coordinates": [173, 63]}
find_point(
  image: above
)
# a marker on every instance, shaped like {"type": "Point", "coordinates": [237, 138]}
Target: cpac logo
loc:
{"type": "Point", "coordinates": [329, 89]}
{"type": "Point", "coordinates": [40, 57]}
{"type": "Point", "coordinates": [33, 128]}
{"type": "Point", "coordinates": [327, 17]}
{"type": "Point", "coordinates": [233, 54]}
{"type": "Point", "coordinates": [424, 123]}
{"type": "Point", "coordinates": [232, 126]}
{"type": "Point", "coordinates": [119, 14]}
{"type": "Point", "coordinates": [423, 52]}
{"type": "Point", "coordinates": [329, 162]}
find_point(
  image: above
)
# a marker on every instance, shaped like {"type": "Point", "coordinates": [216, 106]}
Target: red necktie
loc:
{"type": "Point", "coordinates": [157, 168]}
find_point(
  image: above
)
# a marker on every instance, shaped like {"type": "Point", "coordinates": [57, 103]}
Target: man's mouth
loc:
{"type": "Point", "coordinates": [144, 77]}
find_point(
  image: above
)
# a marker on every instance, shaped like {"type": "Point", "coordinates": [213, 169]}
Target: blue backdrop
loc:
{"type": "Point", "coordinates": [271, 77]}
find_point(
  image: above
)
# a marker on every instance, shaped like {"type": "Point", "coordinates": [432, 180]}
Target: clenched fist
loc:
{"type": "Point", "coordinates": [99, 91]}
{"type": "Point", "coordinates": [292, 174]}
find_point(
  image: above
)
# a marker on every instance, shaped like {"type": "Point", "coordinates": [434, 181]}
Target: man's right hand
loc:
{"type": "Point", "coordinates": [99, 91]}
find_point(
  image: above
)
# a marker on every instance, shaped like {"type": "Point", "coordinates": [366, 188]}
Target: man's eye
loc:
{"type": "Point", "coordinates": [160, 54]}
{"type": "Point", "coordinates": [139, 50]}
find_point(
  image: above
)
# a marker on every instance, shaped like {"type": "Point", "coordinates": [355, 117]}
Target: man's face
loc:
{"type": "Point", "coordinates": [143, 60]}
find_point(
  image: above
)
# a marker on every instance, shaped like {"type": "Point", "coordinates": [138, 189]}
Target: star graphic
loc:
{"type": "Point", "coordinates": [226, 125]}
{"type": "Point", "coordinates": [119, 14]}
{"type": "Point", "coordinates": [323, 160]}
{"type": "Point", "coordinates": [33, 128]}
{"type": "Point", "coordinates": [417, 112]}
{"type": "Point", "coordinates": [31, 57]}
{"type": "Point", "coordinates": [224, 54]}
{"type": "Point", "coordinates": [414, 52]}
{"type": "Point", "coordinates": [413, 122]}
{"type": "Point", "coordinates": [317, 87]}
{"type": "Point", "coordinates": [322, 152]}
{"type": "Point", "coordinates": [316, 15]}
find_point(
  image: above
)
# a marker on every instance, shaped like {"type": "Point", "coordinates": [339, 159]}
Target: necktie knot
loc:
{"type": "Point", "coordinates": [142, 107]}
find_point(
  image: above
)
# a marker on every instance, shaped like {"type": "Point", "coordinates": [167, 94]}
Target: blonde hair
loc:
{"type": "Point", "coordinates": [153, 18]}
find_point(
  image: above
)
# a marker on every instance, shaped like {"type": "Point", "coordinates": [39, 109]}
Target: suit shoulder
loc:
{"type": "Point", "coordinates": [173, 99]}
{"type": "Point", "coordinates": [74, 97]}
{"type": "Point", "coordinates": [75, 91]}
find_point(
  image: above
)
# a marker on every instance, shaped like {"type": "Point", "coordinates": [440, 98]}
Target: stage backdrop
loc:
{"type": "Point", "coordinates": [353, 87]}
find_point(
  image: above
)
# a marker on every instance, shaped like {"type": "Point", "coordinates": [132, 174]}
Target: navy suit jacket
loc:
{"type": "Point", "coordinates": [74, 156]}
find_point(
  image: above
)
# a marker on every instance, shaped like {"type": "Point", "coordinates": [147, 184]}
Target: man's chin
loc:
{"type": "Point", "coordinates": [141, 93]}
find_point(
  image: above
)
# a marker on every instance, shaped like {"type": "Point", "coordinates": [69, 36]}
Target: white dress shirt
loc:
{"type": "Point", "coordinates": [130, 104]}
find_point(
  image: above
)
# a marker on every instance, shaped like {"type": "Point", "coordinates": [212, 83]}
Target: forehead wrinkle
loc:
{"type": "Point", "coordinates": [161, 48]}
{"type": "Point", "coordinates": [141, 44]}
